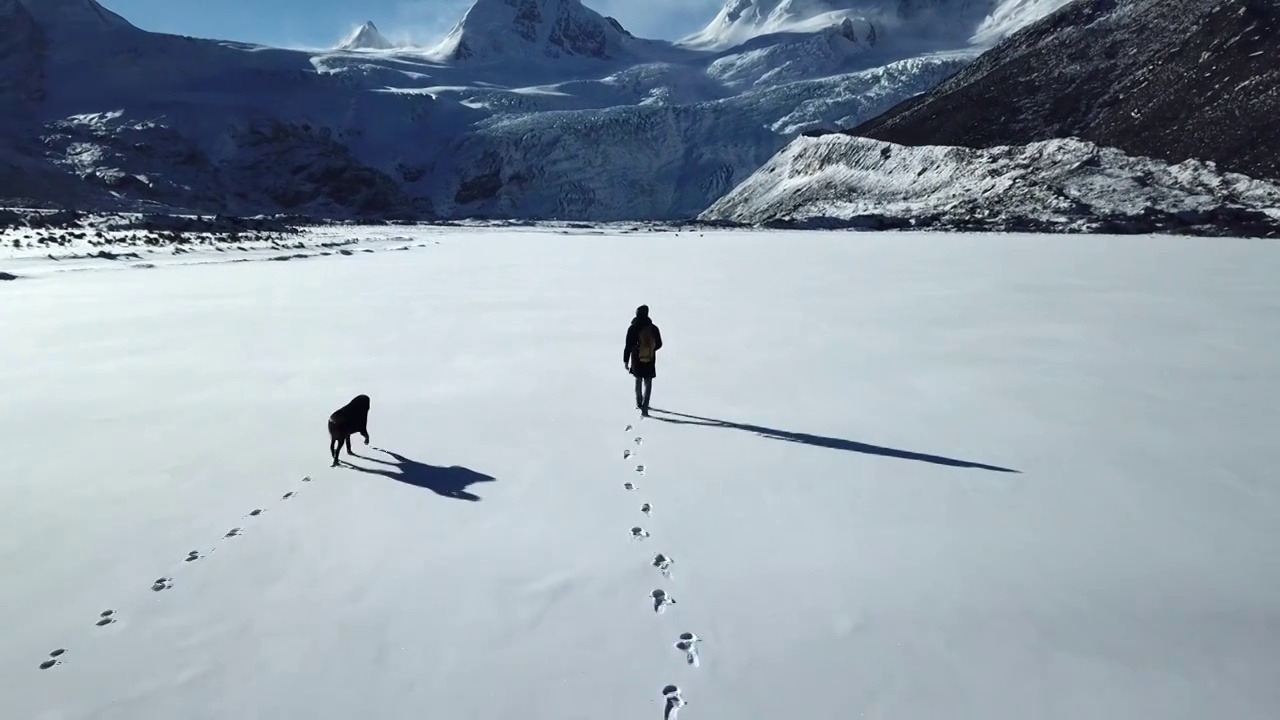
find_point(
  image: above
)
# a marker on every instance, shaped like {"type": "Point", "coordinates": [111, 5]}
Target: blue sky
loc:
{"type": "Point", "coordinates": [322, 23]}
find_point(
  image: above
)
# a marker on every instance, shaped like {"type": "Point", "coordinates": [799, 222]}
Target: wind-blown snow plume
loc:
{"type": "Point", "coordinates": [1013, 15]}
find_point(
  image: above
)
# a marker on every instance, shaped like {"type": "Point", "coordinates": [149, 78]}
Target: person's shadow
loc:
{"type": "Point", "coordinates": [450, 482]}
{"type": "Point", "coordinates": [821, 441]}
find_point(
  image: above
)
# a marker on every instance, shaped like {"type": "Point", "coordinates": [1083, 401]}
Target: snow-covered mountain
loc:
{"type": "Point", "coordinates": [529, 109]}
{"type": "Point", "coordinates": [512, 30]}
{"type": "Point", "coordinates": [365, 37]}
{"type": "Point", "coordinates": [839, 180]}
{"type": "Point", "coordinates": [1172, 79]}
{"type": "Point", "coordinates": [1135, 116]}
{"type": "Point", "coordinates": [742, 20]}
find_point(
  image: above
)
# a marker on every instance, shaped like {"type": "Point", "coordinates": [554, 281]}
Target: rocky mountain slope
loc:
{"type": "Point", "coordinates": [22, 57]}
{"type": "Point", "coordinates": [1057, 185]}
{"type": "Point", "coordinates": [529, 109]}
{"type": "Point", "coordinates": [1170, 79]}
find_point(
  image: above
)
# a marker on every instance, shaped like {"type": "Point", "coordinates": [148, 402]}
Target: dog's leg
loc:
{"type": "Point", "coordinates": [349, 451]}
{"type": "Point", "coordinates": [335, 445]}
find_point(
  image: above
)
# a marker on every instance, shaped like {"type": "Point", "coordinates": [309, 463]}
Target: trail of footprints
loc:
{"type": "Point", "coordinates": [165, 582]}
{"type": "Point", "coordinates": [687, 643]}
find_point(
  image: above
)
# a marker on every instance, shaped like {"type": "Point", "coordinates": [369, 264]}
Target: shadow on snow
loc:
{"type": "Point", "coordinates": [450, 482]}
{"type": "Point", "coordinates": [826, 442]}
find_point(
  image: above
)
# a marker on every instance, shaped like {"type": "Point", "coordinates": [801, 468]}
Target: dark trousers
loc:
{"type": "Point", "coordinates": [644, 389]}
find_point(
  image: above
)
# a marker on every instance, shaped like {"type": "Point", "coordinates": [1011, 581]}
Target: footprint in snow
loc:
{"type": "Point", "coordinates": [661, 600]}
{"type": "Point", "coordinates": [233, 532]}
{"type": "Point", "coordinates": [256, 512]}
{"type": "Point", "coordinates": [639, 441]}
{"type": "Point", "coordinates": [663, 563]}
{"type": "Point", "coordinates": [192, 556]}
{"type": "Point", "coordinates": [287, 495]}
{"type": "Point", "coordinates": [163, 583]}
{"type": "Point", "coordinates": [306, 479]}
{"type": "Point", "coordinates": [647, 509]}
{"type": "Point", "coordinates": [626, 454]}
{"type": "Point", "coordinates": [628, 429]}
{"type": "Point", "coordinates": [688, 643]}
{"type": "Point", "coordinates": [628, 486]}
{"type": "Point", "coordinates": [640, 469]}
{"type": "Point", "coordinates": [675, 701]}
{"type": "Point", "coordinates": [639, 533]}
{"type": "Point", "coordinates": [53, 659]}
{"type": "Point", "coordinates": [106, 618]}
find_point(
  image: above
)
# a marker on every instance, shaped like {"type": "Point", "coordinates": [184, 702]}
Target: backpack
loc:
{"type": "Point", "coordinates": [646, 344]}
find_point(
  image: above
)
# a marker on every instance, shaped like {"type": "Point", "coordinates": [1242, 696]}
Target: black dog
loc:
{"type": "Point", "coordinates": [346, 421]}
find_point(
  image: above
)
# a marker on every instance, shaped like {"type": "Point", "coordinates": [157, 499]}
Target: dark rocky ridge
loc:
{"type": "Point", "coordinates": [1169, 79]}
{"type": "Point", "coordinates": [1216, 222]}
{"type": "Point", "coordinates": [22, 56]}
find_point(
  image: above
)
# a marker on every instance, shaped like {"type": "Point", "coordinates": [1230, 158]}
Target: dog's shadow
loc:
{"type": "Point", "coordinates": [450, 482]}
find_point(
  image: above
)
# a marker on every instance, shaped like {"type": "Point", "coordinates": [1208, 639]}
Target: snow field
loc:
{"type": "Point", "coordinates": [825, 466]}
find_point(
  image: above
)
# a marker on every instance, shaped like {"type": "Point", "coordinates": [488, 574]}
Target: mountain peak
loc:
{"type": "Point", "coordinates": [503, 29]}
{"type": "Point", "coordinates": [365, 37]}
{"type": "Point", "coordinates": [742, 20]}
{"type": "Point", "coordinates": [79, 15]}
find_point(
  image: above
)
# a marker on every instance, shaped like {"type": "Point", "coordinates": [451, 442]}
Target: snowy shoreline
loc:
{"type": "Point", "coordinates": [40, 241]}
{"type": "Point", "coordinates": [27, 252]}
{"type": "Point", "coordinates": [37, 242]}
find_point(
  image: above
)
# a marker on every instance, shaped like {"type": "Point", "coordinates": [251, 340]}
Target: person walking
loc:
{"type": "Point", "coordinates": [640, 355]}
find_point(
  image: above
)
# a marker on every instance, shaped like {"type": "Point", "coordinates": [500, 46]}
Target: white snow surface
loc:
{"type": "Point", "coordinates": [104, 115]}
{"type": "Point", "coordinates": [918, 476]}
{"type": "Point", "coordinates": [839, 176]}
{"type": "Point", "coordinates": [365, 37]}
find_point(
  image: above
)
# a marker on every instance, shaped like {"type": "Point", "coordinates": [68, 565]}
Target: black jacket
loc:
{"type": "Point", "coordinates": [633, 338]}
